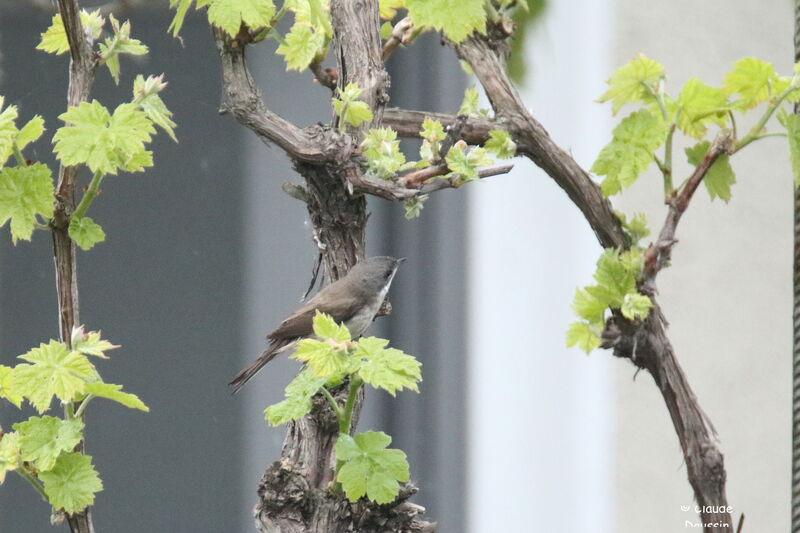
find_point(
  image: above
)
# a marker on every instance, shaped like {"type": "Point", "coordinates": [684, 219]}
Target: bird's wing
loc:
{"type": "Point", "coordinates": [332, 301]}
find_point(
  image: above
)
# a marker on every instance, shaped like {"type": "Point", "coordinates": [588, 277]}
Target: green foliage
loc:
{"type": "Point", "coordinates": [501, 144]}
{"type": "Point", "coordinates": [470, 105]}
{"type": "Point", "coordinates": [43, 439]}
{"type": "Point", "coordinates": [7, 388]}
{"type": "Point", "coordinates": [309, 35]}
{"type": "Point", "coordinates": [616, 276]}
{"type": "Point", "coordinates": [635, 228]}
{"type": "Point", "coordinates": [791, 122]}
{"type": "Point", "coordinates": [25, 193]}
{"type": "Point", "coordinates": [388, 8]}
{"type": "Point", "coordinates": [145, 95]}
{"type": "Point", "coordinates": [117, 44]}
{"type": "Point", "coordinates": [630, 151]}
{"type": "Point", "coordinates": [91, 343]}
{"type": "Point", "coordinates": [387, 368]}
{"type": "Point", "coordinates": [413, 206]}
{"type": "Point", "coordinates": [701, 105]}
{"type": "Point", "coordinates": [228, 15]}
{"type": "Point", "coordinates": [349, 109]}
{"type": "Point", "coordinates": [104, 142]}
{"type": "Point", "coordinates": [114, 393]}
{"type": "Point", "coordinates": [458, 19]}
{"type": "Point", "coordinates": [382, 150]}
{"type": "Point", "coordinates": [9, 454]}
{"type": "Point", "coordinates": [85, 232]}
{"type": "Point", "coordinates": [464, 162]}
{"type": "Point", "coordinates": [753, 81]}
{"type": "Point", "coordinates": [633, 82]}
{"type": "Point", "coordinates": [432, 135]}
{"type": "Point", "coordinates": [72, 483]}
{"type": "Point", "coordinates": [54, 40]}
{"type": "Point", "coordinates": [369, 468]}
{"type": "Point", "coordinates": [298, 398]}
{"type": "Point", "coordinates": [720, 177]}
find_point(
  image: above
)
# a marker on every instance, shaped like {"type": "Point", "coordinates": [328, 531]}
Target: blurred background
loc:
{"type": "Point", "coordinates": [511, 432]}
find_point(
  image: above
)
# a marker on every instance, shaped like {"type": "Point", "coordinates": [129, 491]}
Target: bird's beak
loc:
{"type": "Point", "coordinates": [401, 260]}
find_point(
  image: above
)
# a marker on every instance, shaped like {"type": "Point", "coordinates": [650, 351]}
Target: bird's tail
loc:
{"type": "Point", "coordinates": [244, 376]}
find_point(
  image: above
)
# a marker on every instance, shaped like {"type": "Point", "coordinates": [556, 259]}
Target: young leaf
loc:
{"type": "Point", "coordinates": [54, 40]}
{"type": "Point", "coordinates": [501, 144]}
{"type": "Point", "coordinates": [720, 177]}
{"type": "Point", "coordinates": [369, 468]}
{"type": "Point", "coordinates": [90, 343]}
{"type": "Point", "coordinates": [753, 80]}
{"type": "Point", "coordinates": [30, 132]}
{"type": "Point", "coordinates": [43, 439]}
{"type": "Point", "coordinates": [325, 358]}
{"type": "Point", "coordinates": [105, 142]}
{"type": "Point", "coordinates": [387, 368]}
{"type": "Point", "coordinates": [298, 398]}
{"type": "Point", "coordinates": [470, 103]}
{"type": "Point", "coordinates": [458, 19]}
{"type": "Point", "coordinates": [414, 206]}
{"type": "Point", "coordinates": [25, 192]}
{"type": "Point", "coordinates": [7, 387]}
{"type": "Point", "coordinates": [119, 43]}
{"type": "Point", "coordinates": [85, 232]}
{"type": "Point", "coordinates": [8, 131]}
{"type": "Point", "coordinates": [300, 46]}
{"type": "Point", "coordinates": [388, 8]}
{"type": "Point", "coordinates": [635, 306]}
{"type": "Point", "coordinates": [792, 124]}
{"type": "Point", "coordinates": [114, 393]}
{"type": "Point", "coordinates": [382, 150]}
{"type": "Point", "coordinates": [628, 83]}
{"type": "Point", "coordinates": [700, 105]}
{"type": "Point", "coordinates": [630, 151]}
{"type": "Point", "coordinates": [145, 95]}
{"type": "Point", "coordinates": [231, 14]}
{"type": "Point", "coordinates": [349, 109]}
{"type": "Point", "coordinates": [465, 163]}
{"type": "Point", "coordinates": [55, 370]}
{"type": "Point", "coordinates": [9, 454]}
{"type": "Point", "coordinates": [72, 483]}
{"type": "Point", "coordinates": [580, 334]}
{"type": "Point", "coordinates": [590, 307]}
{"type": "Point", "coordinates": [636, 227]}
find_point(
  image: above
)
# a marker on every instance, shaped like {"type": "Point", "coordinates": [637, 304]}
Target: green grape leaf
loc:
{"type": "Point", "coordinates": [300, 46]}
{"type": "Point", "coordinates": [54, 40]}
{"type": "Point", "coordinates": [55, 371]}
{"type": "Point", "coordinates": [7, 387]}
{"type": "Point", "coordinates": [382, 150]}
{"type": "Point", "coordinates": [414, 206]}
{"type": "Point", "coordinates": [636, 305]}
{"type": "Point", "coordinates": [580, 334]}
{"type": "Point", "coordinates": [30, 132]}
{"type": "Point", "coordinates": [181, 8]}
{"type": "Point", "coordinates": [501, 144]}
{"type": "Point", "coordinates": [145, 95]}
{"type": "Point", "coordinates": [72, 483]}
{"type": "Point", "coordinates": [25, 192]}
{"type": "Point", "coordinates": [720, 176]}
{"type": "Point", "coordinates": [465, 163]}
{"type": "Point", "coordinates": [325, 327]}
{"type": "Point", "coordinates": [388, 8]}
{"type": "Point", "coordinates": [349, 108]}
{"type": "Point", "coordinates": [369, 467]}
{"type": "Point", "coordinates": [387, 368]}
{"type": "Point", "coordinates": [8, 131]}
{"type": "Point", "coordinates": [615, 275]}
{"type": "Point", "coordinates": [753, 80]}
{"type": "Point", "coordinates": [432, 130]}
{"type": "Point", "coordinates": [90, 343]}
{"type": "Point", "coordinates": [636, 227]}
{"type": "Point", "coordinates": [630, 82]}
{"type": "Point", "coordinates": [326, 358]}
{"type": "Point", "coordinates": [630, 151]}
{"type": "Point", "coordinates": [9, 454]}
{"type": "Point", "coordinates": [231, 14]}
{"type": "Point", "coordinates": [470, 103]}
{"type": "Point", "coordinates": [85, 232]}
{"type": "Point", "coordinates": [792, 124]}
{"type": "Point", "coordinates": [117, 44]}
{"type": "Point", "coordinates": [298, 398]}
{"type": "Point", "coordinates": [700, 105]}
{"type": "Point", "coordinates": [590, 307]}
{"type": "Point", "coordinates": [114, 393]}
{"type": "Point", "coordinates": [105, 143]}
{"type": "Point", "coordinates": [458, 19]}
{"type": "Point", "coordinates": [43, 439]}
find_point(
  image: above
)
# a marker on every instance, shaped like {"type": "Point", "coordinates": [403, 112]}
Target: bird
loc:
{"type": "Point", "coordinates": [353, 300]}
